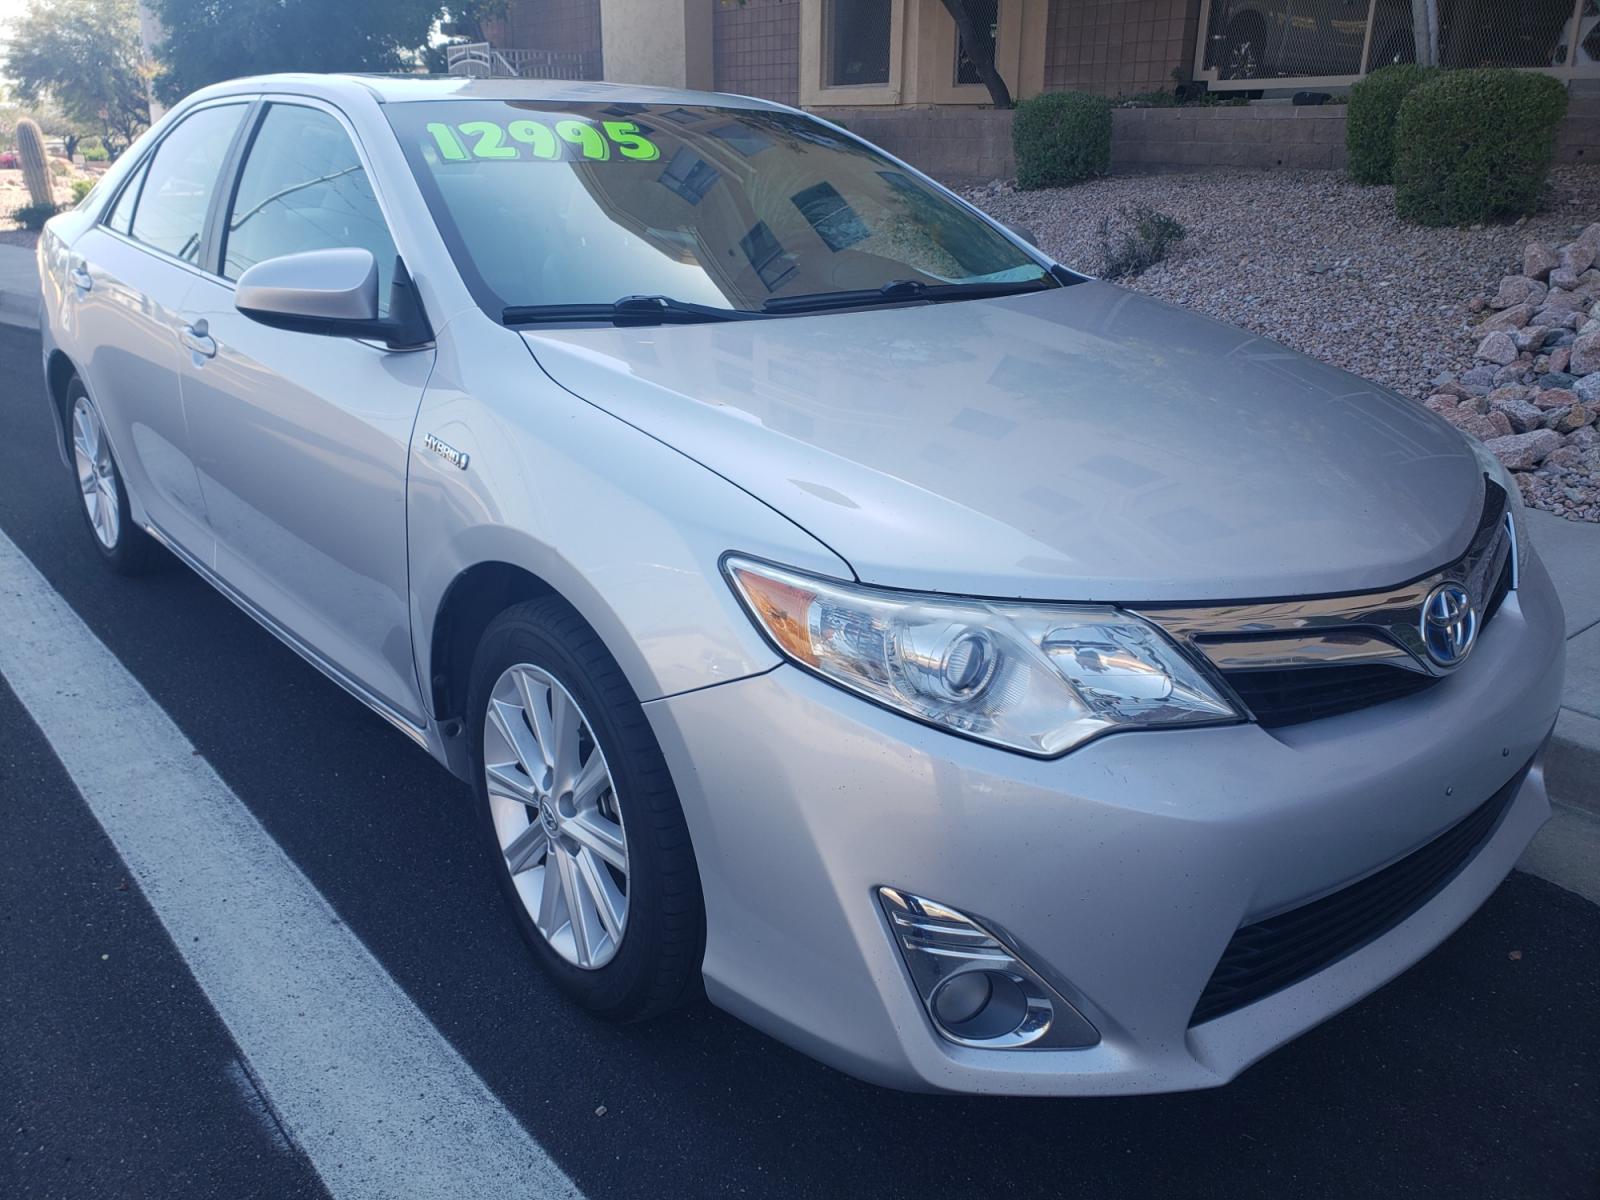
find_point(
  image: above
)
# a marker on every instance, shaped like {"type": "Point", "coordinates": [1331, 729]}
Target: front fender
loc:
{"type": "Point", "coordinates": [625, 528]}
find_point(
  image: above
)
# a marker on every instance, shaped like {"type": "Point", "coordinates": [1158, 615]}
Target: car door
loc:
{"type": "Point", "coordinates": [130, 275]}
{"type": "Point", "coordinates": [301, 441]}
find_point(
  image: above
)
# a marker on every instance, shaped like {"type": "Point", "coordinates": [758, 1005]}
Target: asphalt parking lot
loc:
{"type": "Point", "coordinates": [128, 1069]}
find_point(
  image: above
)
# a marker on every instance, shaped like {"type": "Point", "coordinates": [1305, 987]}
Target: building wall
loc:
{"type": "Point", "coordinates": [1118, 47]}
{"type": "Point", "coordinates": [570, 25]}
{"type": "Point", "coordinates": [756, 49]}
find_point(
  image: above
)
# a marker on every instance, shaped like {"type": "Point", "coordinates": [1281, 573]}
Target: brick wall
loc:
{"type": "Point", "coordinates": [756, 49]}
{"type": "Point", "coordinates": [571, 25]}
{"type": "Point", "coordinates": [1255, 135]}
{"type": "Point", "coordinates": [956, 145]}
{"type": "Point", "coordinates": [1118, 47]}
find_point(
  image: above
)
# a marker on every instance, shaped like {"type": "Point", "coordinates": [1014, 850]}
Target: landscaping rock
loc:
{"type": "Point", "coordinates": [1511, 318]}
{"type": "Point", "coordinates": [1585, 353]}
{"type": "Point", "coordinates": [1576, 257]}
{"type": "Point", "coordinates": [1556, 379]}
{"type": "Point", "coordinates": [1498, 348]}
{"type": "Point", "coordinates": [1564, 278]}
{"type": "Point", "coordinates": [1518, 289]}
{"type": "Point", "coordinates": [1538, 260]}
{"type": "Point", "coordinates": [1531, 338]}
{"type": "Point", "coordinates": [1481, 427]}
{"type": "Point", "coordinates": [1570, 421]}
{"type": "Point", "coordinates": [1548, 398]}
{"type": "Point", "coordinates": [1522, 415]}
{"type": "Point", "coordinates": [1587, 390]}
{"type": "Point", "coordinates": [1520, 451]}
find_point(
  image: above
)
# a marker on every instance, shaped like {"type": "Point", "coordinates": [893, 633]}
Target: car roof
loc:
{"type": "Point", "coordinates": [403, 89]}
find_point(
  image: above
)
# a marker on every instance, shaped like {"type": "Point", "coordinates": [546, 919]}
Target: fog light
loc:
{"type": "Point", "coordinates": [977, 992]}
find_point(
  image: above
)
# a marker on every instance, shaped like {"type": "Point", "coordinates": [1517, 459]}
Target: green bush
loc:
{"type": "Point", "coordinates": [80, 189]}
{"type": "Point", "coordinates": [1476, 145]}
{"type": "Point", "coordinates": [1061, 138]}
{"type": "Point", "coordinates": [93, 150]}
{"type": "Point", "coordinates": [33, 216]}
{"type": "Point", "coordinates": [1374, 108]}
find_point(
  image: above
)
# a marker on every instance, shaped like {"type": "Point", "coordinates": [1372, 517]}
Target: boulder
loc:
{"type": "Point", "coordinates": [1549, 398]}
{"type": "Point", "coordinates": [1576, 257]}
{"type": "Point", "coordinates": [1556, 379]}
{"type": "Point", "coordinates": [1587, 436]}
{"type": "Point", "coordinates": [1587, 390]}
{"type": "Point", "coordinates": [1507, 319]}
{"type": "Point", "coordinates": [1523, 451]}
{"type": "Point", "coordinates": [1590, 237]}
{"type": "Point", "coordinates": [1518, 289]}
{"type": "Point", "coordinates": [1538, 260]}
{"type": "Point", "coordinates": [1498, 348]}
{"type": "Point", "coordinates": [1563, 279]}
{"type": "Point", "coordinates": [1531, 338]}
{"type": "Point", "coordinates": [1585, 353]}
{"type": "Point", "coordinates": [1522, 415]}
{"type": "Point", "coordinates": [1569, 421]}
{"type": "Point", "coordinates": [1480, 427]}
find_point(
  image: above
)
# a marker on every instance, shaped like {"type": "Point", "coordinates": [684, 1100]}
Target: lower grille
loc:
{"type": "Point", "coordinates": [1269, 955]}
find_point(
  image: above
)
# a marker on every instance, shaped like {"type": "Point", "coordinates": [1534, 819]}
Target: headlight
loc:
{"type": "Point", "coordinates": [1031, 678]}
{"type": "Point", "coordinates": [1496, 470]}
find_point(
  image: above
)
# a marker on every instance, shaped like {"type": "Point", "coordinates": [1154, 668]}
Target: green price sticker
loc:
{"type": "Point", "coordinates": [526, 139]}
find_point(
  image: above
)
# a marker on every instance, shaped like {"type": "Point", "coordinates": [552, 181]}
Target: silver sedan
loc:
{"type": "Point", "coordinates": [976, 675]}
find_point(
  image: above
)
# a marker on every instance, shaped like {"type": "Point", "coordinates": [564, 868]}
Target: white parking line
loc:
{"type": "Point", "coordinates": [377, 1099]}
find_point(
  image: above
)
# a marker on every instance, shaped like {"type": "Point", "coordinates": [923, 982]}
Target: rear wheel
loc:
{"type": "Point", "coordinates": [104, 499]}
{"type": "Point", "coordinates": [581, 819]}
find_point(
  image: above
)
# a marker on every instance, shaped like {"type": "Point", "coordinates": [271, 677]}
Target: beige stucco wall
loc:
{"type": "Point", "coordinates": [663, 42]}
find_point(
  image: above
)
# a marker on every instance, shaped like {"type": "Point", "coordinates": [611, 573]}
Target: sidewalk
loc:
{"type": "Point", "coordinates": [19, 287]}
{"type": "Point", "coordinates": [1571, 551]}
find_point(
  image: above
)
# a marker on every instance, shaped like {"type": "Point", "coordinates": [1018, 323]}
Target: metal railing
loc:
{"type": "Point", "coordinates": [480, 60]}
{"type": "Point", "coordinates": [1292, 43]}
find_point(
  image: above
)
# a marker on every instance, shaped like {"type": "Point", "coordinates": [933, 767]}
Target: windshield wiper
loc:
{"type": "Point", "coordinates": [630, 310]}
{"type": "Point", "coordinates": [899, 291]}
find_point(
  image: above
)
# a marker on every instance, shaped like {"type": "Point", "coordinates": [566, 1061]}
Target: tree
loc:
{"type": "Point", "coordinates": [978, 43]}
{"type": "Point", "coordinates": [83, 57]}
{"type": "Point", "coordinates": [210, 40]}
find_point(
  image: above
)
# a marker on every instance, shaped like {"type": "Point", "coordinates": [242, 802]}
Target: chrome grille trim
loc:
{"type": "Point", "coordinates": [1381, 627]}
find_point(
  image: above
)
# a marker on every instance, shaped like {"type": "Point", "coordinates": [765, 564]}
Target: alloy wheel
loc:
{"type": "Point", "coordinates": [556, 815]}
{"type": "Point", "coordinates": [97, 474]}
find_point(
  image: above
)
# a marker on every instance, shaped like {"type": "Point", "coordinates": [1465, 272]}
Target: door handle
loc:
{"type": "Point", "coordinates": [198, 339]}
{"type": "Point", "coordinates": [81, 279]}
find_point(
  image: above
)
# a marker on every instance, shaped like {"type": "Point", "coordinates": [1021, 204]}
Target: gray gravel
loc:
{"type": "Point", "coordinates": [1312, 260]}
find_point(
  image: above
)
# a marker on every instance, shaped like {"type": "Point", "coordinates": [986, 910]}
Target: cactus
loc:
{"type": "Point", "coordinates": [35, 166]}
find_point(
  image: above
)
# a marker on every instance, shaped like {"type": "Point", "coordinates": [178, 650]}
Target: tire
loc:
{"type": "Point", "coordinates": [539, 832]}
{"type": "Point", "coordinates": [103, 497]}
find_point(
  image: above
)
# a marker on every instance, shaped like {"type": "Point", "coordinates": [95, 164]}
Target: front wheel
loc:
{"type": "Point", "coordinates": [580, 815]}
{"type": "Point", "coordinates": [123, 546]}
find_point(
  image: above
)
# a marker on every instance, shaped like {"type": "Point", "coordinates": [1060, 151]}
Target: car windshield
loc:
{"type": "Point", "coordinates": [562, 205]}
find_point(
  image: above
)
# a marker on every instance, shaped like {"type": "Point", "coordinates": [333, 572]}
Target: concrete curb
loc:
{"type": "Point", "coordinates": [1572, 764]}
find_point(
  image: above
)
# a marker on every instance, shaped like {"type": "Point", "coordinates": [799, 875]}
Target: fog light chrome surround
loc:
{"type": "Point", "coordinates": [974, 988]}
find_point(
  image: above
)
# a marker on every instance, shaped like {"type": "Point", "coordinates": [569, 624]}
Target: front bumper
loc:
{"type": "Point", "coordinates": [1119, 871]}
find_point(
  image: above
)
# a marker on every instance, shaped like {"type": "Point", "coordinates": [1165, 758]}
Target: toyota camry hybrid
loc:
{"type": "Point", "coordinates": [976, 675]}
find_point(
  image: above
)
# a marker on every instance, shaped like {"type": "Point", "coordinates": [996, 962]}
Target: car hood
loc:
{"type": "Point", "coordinates": [1084, 443]}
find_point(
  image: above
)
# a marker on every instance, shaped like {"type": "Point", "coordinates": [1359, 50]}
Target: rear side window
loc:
{"type": "Point", "coordinates": [303, 188]}
{"type": "Point", "coordinates": [171, 208]}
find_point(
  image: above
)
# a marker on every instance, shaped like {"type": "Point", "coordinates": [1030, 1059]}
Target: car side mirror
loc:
{"type": "Point", "coordinates": [333, 293]}
{"type": "Point", "coordinates": [1026, 234]}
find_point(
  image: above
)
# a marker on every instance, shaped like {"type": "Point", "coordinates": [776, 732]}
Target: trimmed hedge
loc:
{"type": "Point", "coordinates": [1061, 138]}
{"type": "Point", "coordinates": [1374, 108]}
{"type": "Point", "coordinates": [1476, 145]}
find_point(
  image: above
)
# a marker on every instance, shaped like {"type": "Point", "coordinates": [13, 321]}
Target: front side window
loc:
{"type": "Point", "coordinates": [121, 218]}
{"type": "Point", "coordinates": [546, 204]}
{"type": "Point", "coordinates": [171, 207]}
{"type": "Point", "coordinates": [857, 42]}
{"type": "Point", "coordinates": [303, 188]}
